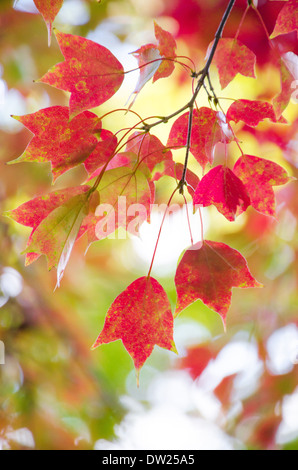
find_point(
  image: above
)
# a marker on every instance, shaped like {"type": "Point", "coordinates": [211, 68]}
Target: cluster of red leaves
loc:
{"type": "Point", "coordinates": [67, 136]}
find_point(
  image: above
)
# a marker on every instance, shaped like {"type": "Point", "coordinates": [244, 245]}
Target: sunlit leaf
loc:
{"type": "Point", "coordinates": [258, 176]}
{"type": "Point", "coordinates": [208, 271]}
{"type": "Point", "coordinates": [233, 57]}
{"type": "Point", "coordinates": [222, 188]}
{"type": "Point", "coordinates": [90, 72]}
{"type": "Point", "coordinates": [64, 143]}
{"type": "Point", "coordinates": [141, 317]}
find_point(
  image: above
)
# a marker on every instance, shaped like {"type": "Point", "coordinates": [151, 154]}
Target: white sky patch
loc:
{"type": "Point", "coordinates": [74, 12]}
{"type": "Point", "coordinates": [282, 347]}
{"type": "Point", "coordinates": [27, 6]}
{"type": "Point", "coordinates": [11, 102]}
{"type": "Point", "coordinates": [238, 357]}
{"type": "Point", "coordinates": [288, 429]}
{"type": "Point", "coordinates": [175, 238]}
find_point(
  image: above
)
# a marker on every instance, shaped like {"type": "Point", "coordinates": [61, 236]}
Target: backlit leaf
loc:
{"type": "Point", "coordinates": [155, 61]}
{"type": "Point", "coordinates": [222, 188]}
{"type": "Point", "coordinates": [57, 233]}
{"type": "Point", "coordinates": [175, 170]}
{"type": "Point", "coordinates": [90, 72]}
{"type": "Point", "coordinates": [141, 317]}
{"type": "Point", "coordinates": [33, 212]}
{"type": "Point", "coordinates": [288, 75]}
{"type": "Point", "coordinates": [251, 112]}
{"type": "Point", "coordinates": [149, 149]}
{"type": "Point", "coordinates": [64, 143]}
{"type": "Point", "coordinates": [49, 10]}
{"type": "Point", "coordinates": [205, 134]}
{"type": "Point", "coordinates": [122, 195]}
{"type": "Point", "coordinates": [233, 57]}
{"type": "Point", "coordinates": [287, 20]}
{"type": "Point", "coordinates": [259, 175]}
{"type": "Point", "coordinates": [208, 271]}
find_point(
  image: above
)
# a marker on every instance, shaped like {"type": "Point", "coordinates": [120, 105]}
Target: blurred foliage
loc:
{"type": "Point", "coordinates": [54, 392]}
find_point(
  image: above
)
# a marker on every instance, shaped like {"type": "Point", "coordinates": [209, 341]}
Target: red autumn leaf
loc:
{"type": "Point", "coordinates": [57, 233]}
{"type": "Point", "coordinates": [122, 195]}
{"type": "Point", "coordinates": [208, 271]}
{"type": "Point", "coordinates": [288, 75]}
{"type": "Point", "coordinates": [64, 143]}
{"type": "Point", "coordinates": [175, 170]}
{"type": "Point", "coordinates": [49, 10]}
{"type": "Point", "coordinates": [141, 317]}
{"type": "Point", "coordinates": [251, 112]}
{"type": "Point", "coordinates": [258, 176]}
{"type": "Point", "coordinates": [103, 152]}
{"type": "Point", "coordinates": [206, 132]}
{"type": "Point", "coordinates": [166, 46]}
{"type": "Point", "coordinates": [149, 149]}
{"type": "Point", "coordinates": [33, 212]}
{"type": "Point", "coordinates": [222, 188]}
{"type": "Point", "coordinates": [233, 57]}
{"type": "Point", "coordinates": [90, 72]}
{"type": "Point", "coordinates": [197, 359]}
{"type": "Point", "coordinates": [287, 20]}
{"type": "Point", "coordinates": [155, 61]}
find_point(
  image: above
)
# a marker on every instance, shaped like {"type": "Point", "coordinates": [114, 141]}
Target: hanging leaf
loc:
{"type": "Point", "coordinates": [222, 188]}
{"type": "Point", "coordinates": [33, 212]}
{"type": "Point", "coordinates": [233, 57]}
{"type": "Point", "coordinates": [155, 61]}
{"type": "Point", "coordinates": [287, 20]}
{"type": "Point", "coordinates": [49, 10]}
{"type": "Point", "coordinates": [90, 72]}
{"type": "Point", "coordinates": [258, 176]}
{"type": "Point", "coordinates": [57, 233]}
{"type": "Point", "coordinates": [103, 152]}
{"type": "Point", "coordinates": [251, 112]}
{"type": "Point", "coordinates": [175, 170]}
{"type": "Point", "coordinates": [141, 317]}
{"type": "Point", "coordinates": [148, 149]}
{"type": "Point", "coordinates": [205, 134]}
{"type": "Point", "coordinates": [208, 271]}
{"type": "Point", "coordinates": [64, 143]}
{"type": "Point", "coordinates": [288, 75]}
{"type": "Point", "coordinates": [123, 195]}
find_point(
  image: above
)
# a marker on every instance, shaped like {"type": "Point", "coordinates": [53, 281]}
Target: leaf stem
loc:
{"type": "Point", "coordinates": [159, 233]}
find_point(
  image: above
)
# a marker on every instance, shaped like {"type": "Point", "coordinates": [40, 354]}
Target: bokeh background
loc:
{"type": "Point", "coordinates": [233, 390]}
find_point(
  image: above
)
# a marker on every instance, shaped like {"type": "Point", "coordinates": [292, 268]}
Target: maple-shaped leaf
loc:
{"type": "Point", "coordinates": [49, 10]}
{"type": "Point", "coordinates": [287, 20]}
{"type": "Point", "coordinates": [155, 61]}
{"type": "Point", "coordinates": [124, 197]}
{"type": "Point", "coordinates": [57, 233]}
{"type": "Point", "coordinates": [33, 212]}
{"type": "Point", "coordinates": [149, 149]}
{"type": "Point", "coordinates": [222, 188]}
{"type": "Point", "coordinates": [208, 271]}
{"type": "Point", "coordinates": [288, 76]}
{"type": "Point", "coordinates": [251, 112]}
{"type": "Point", "coordinates": [233, 57]}
{"type": "Point", "coordinates": [141, 317]}
{"type": "Point", "coordinates": [258, 176]}
{"type": "Point", "coordinates": [90, 72]}
{"type": "Point", "coordinates": [206, 132]}
{"type": "Point", "coordinates": [64, 143]}
{"type": "Point", "coordinates": [175, 170]}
